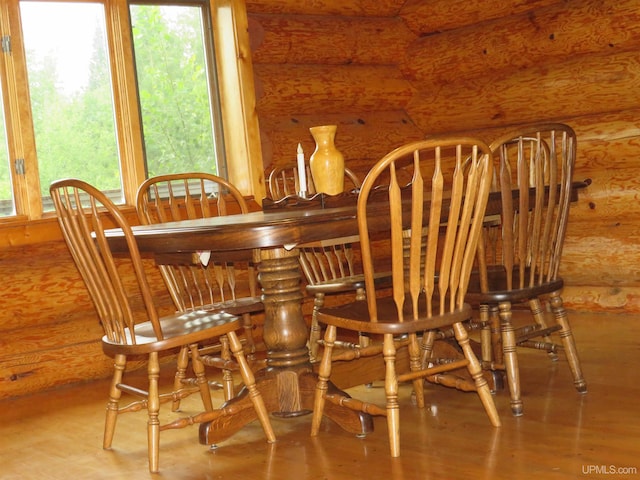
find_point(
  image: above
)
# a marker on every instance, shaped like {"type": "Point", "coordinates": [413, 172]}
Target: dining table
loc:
{"type": "Point", "coordinates": [287, 383]}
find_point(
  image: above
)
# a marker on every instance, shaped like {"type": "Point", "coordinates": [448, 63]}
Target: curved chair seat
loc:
{"type": "Point", "coordinates": [355, 317]}
{"type": "Point", "coordinates": [189, 327]}
{"type": "Point", "coordinates": [348, 283]}
{"type": "Point", "coordinates": [498, 291]}
{"type": "Point", "coordinates": [239, 306]}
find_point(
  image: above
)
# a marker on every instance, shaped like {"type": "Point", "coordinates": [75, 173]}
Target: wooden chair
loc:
{"type": "Point", "coordinates": [429, 278]}
{"type": "Point", "coordinates": [131, 323]}
{"type": "Point", "coordinates": [520, 255]}
{"type": "Point", "coordinates": [284, 180]}
{"type": "Point", "coordinates": [195, 284]}
{"type": "Point", "coordinates": [330, 266]}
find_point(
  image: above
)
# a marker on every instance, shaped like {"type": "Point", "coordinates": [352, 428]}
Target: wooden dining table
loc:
{"type": "Point", "coordinates": [287, 383]}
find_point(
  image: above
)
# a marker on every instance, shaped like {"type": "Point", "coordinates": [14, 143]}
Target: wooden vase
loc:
{"type": "Point", "coordinates": [326, 162]}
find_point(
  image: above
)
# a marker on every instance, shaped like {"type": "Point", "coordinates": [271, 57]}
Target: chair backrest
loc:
{"type": "Point", "coordinates": [536, 161]}
{"type": "Point", "coordinates": [181, 196]}
{"type": "Point", "coordinates": [284, 180]}
{"type": "Point", "coordinates": [196, 281]}
{"type": "Point", "coordinates": [329, 260]}
{"type": "Point", "coordinates": [440, 211]}
{"type": "Point", "coordinates": [84, 213]}
{"type": "Point", "coordinates": [324, 261]}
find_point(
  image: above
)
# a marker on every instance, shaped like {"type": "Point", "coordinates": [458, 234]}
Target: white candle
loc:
{"type": "Point", "coordinates": [302, 173]}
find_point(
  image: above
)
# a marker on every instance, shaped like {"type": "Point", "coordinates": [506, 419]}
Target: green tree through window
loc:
{"type": "Point", "coordinates": [71, 95]}
{"type": "Point", "coordinates": [72, 100]}
{"type": "Point", "coordinates": [113, 91]}
{"type": "Point", "coordinates": [174, 90]}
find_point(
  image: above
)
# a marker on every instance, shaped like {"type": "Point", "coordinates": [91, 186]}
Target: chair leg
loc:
{"type": "Point", "coordinates": [247, 325]}
{"type": "Point", "coordinates": [153, 411]}
{"type": "Point", "coordinates": [535, 305]}
{"type": "Point", "coordinates": [324, 372]}
{"type": "Point", "coordinates": [485, 336]}
{"type": "Point", "coordinates": [510, 357]}
{"type": "Point", "coordinates": [391, 393]}
{"type": "Point", "coordinates": [201, 378]}
{"type": "Point", "coordinates": [568, 341]}
{"type": "Point", "coordinates": [426, 345]}
{"type": "Point", "coordinates": [496, 335]}
{"type": "Point", "coordinates": [250, 383]}
{"type": "Point", "coordinates": [475, 370]}
{"type": "Point", "coordinates": [182, 363]}
{"type": "Point", "coordinates": [314, 334]}
{"type": "Point", "coordinates": [227, 377]}
{"type": "Point", "coordinates": [415, 365]}
{"type": "Point", "coordinates": [115, 393]}
{"type": "Point", "coordinates": [363, 339]}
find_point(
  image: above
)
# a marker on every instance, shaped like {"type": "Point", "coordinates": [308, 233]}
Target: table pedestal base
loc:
{"type": "Point", "coordinates": [288, 383]}
{"type": "Point", "coordinates": [286, 393]}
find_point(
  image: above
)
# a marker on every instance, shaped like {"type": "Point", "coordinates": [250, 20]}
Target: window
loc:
{"type": "Point", "coordinates": [71, 94]}
{"type": "Point", "coordinates": [118, 91]}
{"type": "Point", "coordinates": [176, 88]}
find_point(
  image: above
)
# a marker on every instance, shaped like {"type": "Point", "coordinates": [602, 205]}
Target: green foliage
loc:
{"type": "Point", "coordinates": [173, 88]}
{"type": "Point", "coordinates": [75, 132]}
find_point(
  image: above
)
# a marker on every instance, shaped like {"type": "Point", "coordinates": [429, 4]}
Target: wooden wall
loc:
{"type": "Point", "coordinates": [386, 72]}
{"type": "Point", "coordinates": [412, 68]}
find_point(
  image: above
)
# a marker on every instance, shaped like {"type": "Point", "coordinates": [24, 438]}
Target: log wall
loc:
{"type": "Point", "coordinates": [478, 67]}
{"type": "Point", "coordinates": [387, 72]}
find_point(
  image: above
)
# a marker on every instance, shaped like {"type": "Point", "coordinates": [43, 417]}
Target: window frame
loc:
{"type": "Point", "coordinates": [236, 97]}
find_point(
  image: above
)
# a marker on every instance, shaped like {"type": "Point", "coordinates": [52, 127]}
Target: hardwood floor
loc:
{"type": "Point", "coordinates": [562, 435]}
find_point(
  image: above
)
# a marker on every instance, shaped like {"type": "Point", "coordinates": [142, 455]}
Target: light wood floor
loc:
{"type": "Point", "coordinates": [563, 434]}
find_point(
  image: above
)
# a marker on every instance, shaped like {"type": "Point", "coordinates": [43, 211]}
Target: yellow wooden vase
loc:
{"type": "Point", "coordinates": [326, 162]}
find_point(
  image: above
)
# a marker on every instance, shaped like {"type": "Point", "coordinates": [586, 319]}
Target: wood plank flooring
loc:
{"type": "Point", "coordinates": [562, 435]}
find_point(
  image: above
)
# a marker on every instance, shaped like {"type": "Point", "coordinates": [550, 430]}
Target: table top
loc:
{"type": "Point", "coordinates": [274, 228]}
{"type": "Point", "coordinates": [259, 229]}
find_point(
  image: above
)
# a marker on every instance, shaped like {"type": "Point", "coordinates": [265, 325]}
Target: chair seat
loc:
{"type": "Point", "coordinates": [346, 284]}
{"type": "Point", "coordinates": [498, 291]}
{"type": "Point", "coordinates": [178, 329]}
{"type": "Point", "coordinates": [238, 306]}
{"type": "Point", "coordinates": [355, 316]}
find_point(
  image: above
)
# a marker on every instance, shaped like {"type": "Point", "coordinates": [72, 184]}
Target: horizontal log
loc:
{"type": "Point", "coordinates": [25, 374]}
{"type": "Point", "coordinates": [17, 233]}
{"type": "Point", "coordinates": [22, 375]}
{"type": "Point", "coordinates": [548, 35]}
{"type": "Point", "coordinates": [427, 17]}
{"type": "Point", "coordinates": [362, 139]}
{"type": "Point", "coordinates": [595, 129]}
{"type": "Point", "coordinates": [304, 89]}
{"type": "Point", "coordinates": [580, 86]}
{"type": "Point", "coordinates": [596, 261]}
{"type": "Point", "coordinates": [327, 40]}
{"type": "Point", "coordinates": [379, 8]}
{"type": "Point", "coordinates": [30, 340]}
{"type": "Point", "coordinates": [60, 293]}
{"type": "Point", "coordinates": [609, 300]}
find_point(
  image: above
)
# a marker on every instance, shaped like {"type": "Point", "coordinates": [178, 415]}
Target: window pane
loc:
{"type": "Point", "coordinates": [174, 87]}
{"type": "Point", "coordinates": [6, 192]}
{"type": "Point", "coordinates": [71, 96]}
